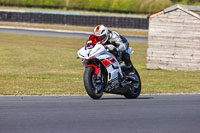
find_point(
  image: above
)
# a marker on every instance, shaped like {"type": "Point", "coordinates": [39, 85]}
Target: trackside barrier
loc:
{"type": "Point", "coordinates": [73, 19]}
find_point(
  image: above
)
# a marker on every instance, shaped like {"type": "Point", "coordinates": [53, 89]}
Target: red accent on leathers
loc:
{"type": "Point", "coordinates": [93, 38]}
{"type": "Point", "coordinates": [96, 39]}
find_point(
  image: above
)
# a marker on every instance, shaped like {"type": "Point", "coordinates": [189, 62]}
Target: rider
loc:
{"type": "Point", "coordinates": [114, 42]}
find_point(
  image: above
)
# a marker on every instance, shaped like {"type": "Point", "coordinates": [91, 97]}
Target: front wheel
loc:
{"type": "Point", "coordinates": [93, 83]}
{"type": "Point", "coordinates": [135, 88]}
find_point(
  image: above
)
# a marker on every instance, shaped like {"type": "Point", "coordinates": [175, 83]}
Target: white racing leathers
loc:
{"type": "Point", "coordinates": [118, 41]}
{"type": "Point", "coordinates": [118, 45]}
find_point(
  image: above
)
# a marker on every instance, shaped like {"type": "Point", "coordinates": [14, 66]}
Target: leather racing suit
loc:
{"type": "Point", "coordinates": [118, 45]}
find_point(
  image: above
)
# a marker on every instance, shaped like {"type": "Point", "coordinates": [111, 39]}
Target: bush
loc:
{"type": "Point", "coordinates": [131, 6]}
{"type": "Point", "coordinates": [34, 3]}
{"type": "Point", "coordinates": [77, 4]}
{"type": "Point", "coordinates": [103, 5]}
{"type": "Point", "coordinates": [154, 5]}
{"type": "Point", "coordinates": [188, 2]}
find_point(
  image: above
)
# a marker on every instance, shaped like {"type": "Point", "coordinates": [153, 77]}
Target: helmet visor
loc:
{"type": "Point", "coordinates": [101, 38]}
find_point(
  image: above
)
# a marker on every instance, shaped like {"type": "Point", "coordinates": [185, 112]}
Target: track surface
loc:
{"type": "Point", "coordinates": [53, 33]}
{"type": "Point", "coordinates": [112, 114]}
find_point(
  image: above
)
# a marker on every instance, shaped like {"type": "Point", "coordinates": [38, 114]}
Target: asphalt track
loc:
{"type": "Point", "coordinates": [111, 114]}
{"type": "Point", "coordinates": [58, 33]}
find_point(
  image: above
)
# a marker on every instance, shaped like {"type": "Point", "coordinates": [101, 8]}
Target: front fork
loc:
{"type": "Point", "coordinates": [97, 79]}
{"type": "Point", "coordinates": [97, 69]}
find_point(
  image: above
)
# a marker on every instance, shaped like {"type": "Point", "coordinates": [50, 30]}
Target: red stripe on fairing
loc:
{"type": "Point", "coordinates": [97, 70]}
{"type": "Point", "coordinates": [112, 60]}
{"type": "Point", "coordinates": [106, 63]}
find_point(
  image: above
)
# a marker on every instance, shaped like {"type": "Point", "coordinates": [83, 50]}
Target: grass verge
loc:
{"type": "Point", "coordinates": [33, 65]}
{"type": "Point", "coordinates": [80, 12]}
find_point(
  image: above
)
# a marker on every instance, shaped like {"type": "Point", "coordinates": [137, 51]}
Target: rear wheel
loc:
{"type": "Point", "coordinates": [135, 88]}
{"type": "Point", "coordinates": [93, 83]}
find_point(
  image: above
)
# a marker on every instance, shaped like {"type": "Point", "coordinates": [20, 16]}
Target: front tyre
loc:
{"type": "Point", "coordinates": [93, 84]}
{"type": "Point", "coordinates": [135, 88]}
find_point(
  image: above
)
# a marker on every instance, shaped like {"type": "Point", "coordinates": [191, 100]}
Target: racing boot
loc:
{"type": "Point", "coordinates": [128, 63]}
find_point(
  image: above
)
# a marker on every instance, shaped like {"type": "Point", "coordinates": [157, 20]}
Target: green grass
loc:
{"type": "Point", "coordinates": [39, 65]}
{"type": "Point", "coordinates": [31, 65]}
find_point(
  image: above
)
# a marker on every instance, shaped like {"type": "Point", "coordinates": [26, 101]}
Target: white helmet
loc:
{"type": "Point", "coordinates": [102, 34]}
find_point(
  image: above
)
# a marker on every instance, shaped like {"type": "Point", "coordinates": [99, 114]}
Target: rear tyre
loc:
{"type": "Point", "coordinates": [93, 85]}
{"type": "Point", "coordinates": [135, 88]}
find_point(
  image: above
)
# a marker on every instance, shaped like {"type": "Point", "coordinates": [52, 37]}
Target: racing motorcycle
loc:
{"type": "Point", "coordinates": [104, 73]}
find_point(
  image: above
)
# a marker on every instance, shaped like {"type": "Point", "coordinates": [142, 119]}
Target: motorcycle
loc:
{"type": "Point", "coordinates": [103, 73]}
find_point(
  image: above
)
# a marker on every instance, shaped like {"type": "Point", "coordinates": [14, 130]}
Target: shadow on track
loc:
{"type": "Point", "coordinates": [123, 98]}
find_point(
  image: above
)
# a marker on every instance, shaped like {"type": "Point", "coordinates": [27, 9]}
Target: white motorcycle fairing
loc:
{"type": "Point", "coordinates": [109, 61]}
{"type": "Point", "coordinates": [103, 73]}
